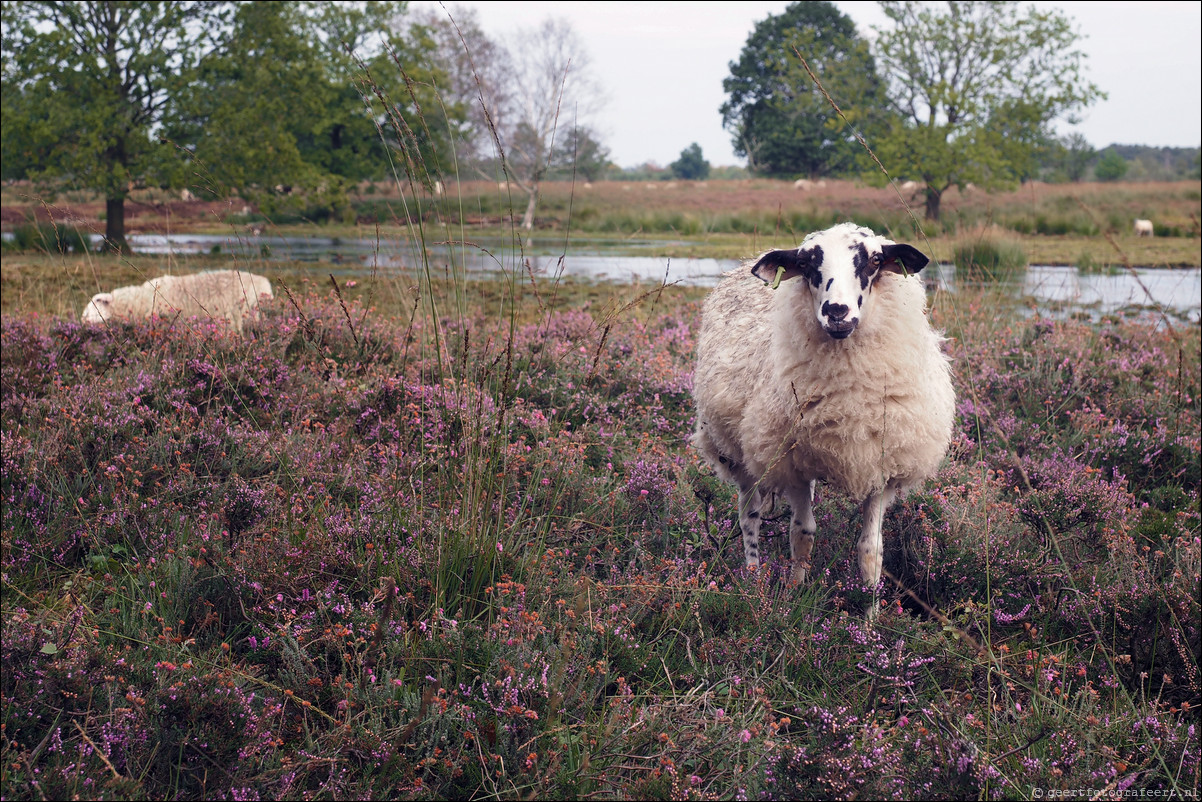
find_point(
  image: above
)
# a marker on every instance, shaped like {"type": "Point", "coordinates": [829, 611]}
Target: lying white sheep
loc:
{"type": "Point", "coordinates": [807, 185]}
{"type": "Point", "coordinates": [830, 373]}
{"type": "Point", "coordinates": [229, 295]}
{"type": "Point", "coordinates": [1143, 228]}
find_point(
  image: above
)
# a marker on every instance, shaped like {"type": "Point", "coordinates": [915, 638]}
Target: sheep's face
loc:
{"type": "Point", "coordinates": [842, 264]}
{"type": "Point", "coordinates": [99, 309]}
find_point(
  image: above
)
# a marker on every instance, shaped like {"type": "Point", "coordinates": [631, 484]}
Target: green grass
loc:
{"type": "Point", "coordinates": [986, 256]}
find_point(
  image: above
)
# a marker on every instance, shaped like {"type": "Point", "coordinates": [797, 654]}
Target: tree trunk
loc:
{"type": "Point", "coordinates": [934, 197]}
{"type": "Point", "coordinates": [114, 226]}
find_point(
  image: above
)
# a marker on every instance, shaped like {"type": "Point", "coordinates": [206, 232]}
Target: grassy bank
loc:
{"type": "Point", "coordinates": [428, 538]}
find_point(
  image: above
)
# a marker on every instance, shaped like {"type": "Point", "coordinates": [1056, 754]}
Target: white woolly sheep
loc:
{"type": "Point", "coordinates": [835, 376]}
{"type": "Point", "coordinates": [807, 185]}
{"type": "Point", "coordinates": [1143, 228]}
{"type": "Point", "coordinates": [229, 295]}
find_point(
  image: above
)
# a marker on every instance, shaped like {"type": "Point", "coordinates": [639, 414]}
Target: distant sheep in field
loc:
{"type": "Point", "coordinates": [229, 295]}
{"type": "Point", "coordinates": [807, 185]}
{"type": "Point", "coordinates": [1143, 228]}
{"type": "Point", "coordinates": [831, 373]}
{"type": "Point", "coordinates": [910, 186]}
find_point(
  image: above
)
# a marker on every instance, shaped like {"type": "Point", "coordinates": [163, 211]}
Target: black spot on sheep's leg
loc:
{"type": "Point", "coordinates": [860, 301]}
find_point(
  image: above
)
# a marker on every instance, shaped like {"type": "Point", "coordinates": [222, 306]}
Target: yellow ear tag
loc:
{"type": "Point", "coordinates": [780, 271]}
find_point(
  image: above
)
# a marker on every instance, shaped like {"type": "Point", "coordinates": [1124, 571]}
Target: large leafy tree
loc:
{"type": "Point", "coordinates": [976, 87]}
{"type": "Point", "coordinates": [88, 83]}
{"type": "Point", "coordinates": [779, 119]}
{"type": "Point", "coordinates": [387, 93]}
{"type": "Point", "coordinates": [315, 96]}
{"type": "Point", "coordinates": [235, 124]}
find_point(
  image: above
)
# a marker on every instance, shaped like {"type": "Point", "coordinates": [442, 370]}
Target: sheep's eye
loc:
{"type": "Point", "coordinates": [875, 260]}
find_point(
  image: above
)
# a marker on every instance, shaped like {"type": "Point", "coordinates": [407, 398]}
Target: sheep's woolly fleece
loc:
{"type": "Point", "coordinates": [228, 295]}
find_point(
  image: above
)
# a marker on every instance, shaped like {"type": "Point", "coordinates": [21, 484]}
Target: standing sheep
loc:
{"type": "Point", "coordinates": [1143, 228]}
{"type": "Point", "coordinates": [230, 295]}
{"type": "Point", "coordinates": [836, 375]}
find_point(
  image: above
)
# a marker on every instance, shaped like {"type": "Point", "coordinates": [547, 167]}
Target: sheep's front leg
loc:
{"type": "Point", "coordinates": [750, 500]}
{"type": "Point", "coordinates": [801, 531]}
{"type": "Point", "coordinates": [871, 546]}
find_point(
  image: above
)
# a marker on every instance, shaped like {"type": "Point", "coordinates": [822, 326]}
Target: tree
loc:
{"type": "Point", "coordinates": [1110, 167]}
{"type": "Point", "coordinates": [976, 87]}
{"type": "Point", "coordinates": [581, 153]}
{"type": "Point", "coordinates": [474, 67]}
{"type": "Point", "coordinates": [691, 166]}
{"type": "Point", "coordinates": [386, 93]}
{"type": "Point", "coordinates": [1075, 154]}
{"type": "Point", "coordinates": [530, 101]}
{"type": "Point", "coordinates": [235, 123]}
{"type": "Point", "coordinates": [314, 97]}
{"type": "Point", "coordinates": [551, 78]}
{"type": "Point", "coordinates": [92, 83]}
{"type": "Point", "coordinates": [780, 121]}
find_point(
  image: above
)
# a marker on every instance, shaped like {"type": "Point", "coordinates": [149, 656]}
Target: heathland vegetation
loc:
{"type": "Point", "coordinates": [419, 534]}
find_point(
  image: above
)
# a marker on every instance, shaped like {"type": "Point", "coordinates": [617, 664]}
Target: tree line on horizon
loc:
{"type": "Point", "coordinates": [275, 101]}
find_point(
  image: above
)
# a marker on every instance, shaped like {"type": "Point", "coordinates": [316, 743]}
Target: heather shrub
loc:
{"type": "Point", "coordinates": [425, 554]}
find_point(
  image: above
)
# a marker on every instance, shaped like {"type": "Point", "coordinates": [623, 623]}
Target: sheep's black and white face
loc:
{"type": "Point", "coordinates": [842, 264]}
{"type": "Point", "coordinates": [99, 309]}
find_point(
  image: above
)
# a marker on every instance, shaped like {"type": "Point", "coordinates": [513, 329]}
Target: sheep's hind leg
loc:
{"type": "Point", "coordinates": [801, 531]}
{"type": "Point", "coordinates": [871, 546]}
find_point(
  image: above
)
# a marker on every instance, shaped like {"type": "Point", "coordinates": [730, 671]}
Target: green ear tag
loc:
{"type": "Point", "coordinates": [780, 271]}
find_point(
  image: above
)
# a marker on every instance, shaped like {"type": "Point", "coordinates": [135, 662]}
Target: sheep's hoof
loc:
{"type": "Point", "coordinates": [874, 609]}
{"type": "Point", "coordinates": [799, 573]}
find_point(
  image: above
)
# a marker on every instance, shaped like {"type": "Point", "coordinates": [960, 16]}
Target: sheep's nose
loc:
{"type": "Point", "coordinates": [835, 312]}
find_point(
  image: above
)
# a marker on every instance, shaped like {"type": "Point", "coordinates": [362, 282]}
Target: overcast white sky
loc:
{"type": "Point", "coordinates": [661, 65]}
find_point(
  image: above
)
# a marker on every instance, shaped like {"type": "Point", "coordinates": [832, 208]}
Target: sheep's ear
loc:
{"type": "Point", "coordinates": [902, 258]}
{"type": "Point", "coordinates": [788, 264]}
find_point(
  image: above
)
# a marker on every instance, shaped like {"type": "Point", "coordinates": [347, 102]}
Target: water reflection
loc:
{"type": "Point", "coordinates": [1054, 288]}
